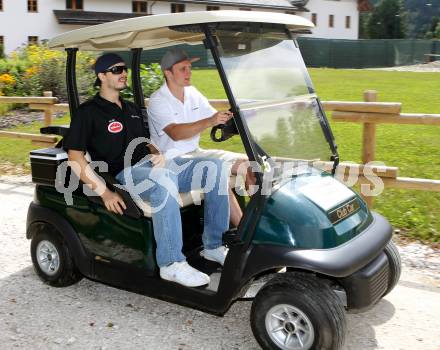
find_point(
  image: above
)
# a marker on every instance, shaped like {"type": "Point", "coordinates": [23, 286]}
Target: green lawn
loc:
{"type": "Point", "coordinates": [414, 149]}
{"type": "Point", "coordinates": [15, 152]}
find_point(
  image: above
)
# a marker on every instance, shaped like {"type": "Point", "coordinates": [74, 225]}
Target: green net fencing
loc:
{"type": "Point", "coordinates": [336, 53]}
{"type": "Point", "coordinates": [365, 53]}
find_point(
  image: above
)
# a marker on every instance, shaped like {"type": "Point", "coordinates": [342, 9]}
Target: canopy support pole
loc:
{"type": "Point", "coordinates": [72, 90]}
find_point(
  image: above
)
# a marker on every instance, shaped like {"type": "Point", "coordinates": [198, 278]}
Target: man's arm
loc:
{"type": "Point", "coordinates": [187, 130]}
{"type": "Point", "coordinates": [112, 200]}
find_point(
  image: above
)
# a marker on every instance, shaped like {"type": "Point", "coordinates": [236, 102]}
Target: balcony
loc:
{"type": "Point", "coordinates": [90, 17]}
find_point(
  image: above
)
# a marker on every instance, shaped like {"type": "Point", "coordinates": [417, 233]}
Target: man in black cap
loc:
{"type": "Point", "coordinates": [106, 126]}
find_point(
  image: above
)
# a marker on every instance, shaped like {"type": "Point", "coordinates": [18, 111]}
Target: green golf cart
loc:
{"type": "Point", "coordinates": [307, 250]}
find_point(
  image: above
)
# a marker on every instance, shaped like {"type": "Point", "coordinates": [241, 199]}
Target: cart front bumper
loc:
{"type": "Point", "coordinates": [365, 287]}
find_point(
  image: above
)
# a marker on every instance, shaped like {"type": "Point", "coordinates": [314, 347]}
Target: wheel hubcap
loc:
{"type": "Point", "coordinates": [289, 328]}
{"type": "Point", "coordinates": [48, 258]}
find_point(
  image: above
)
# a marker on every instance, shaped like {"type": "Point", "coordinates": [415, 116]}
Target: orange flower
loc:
{"type": "Point", "coordinates": [31, 71]}
{"type": "Point", "coordinates": [7, 79]}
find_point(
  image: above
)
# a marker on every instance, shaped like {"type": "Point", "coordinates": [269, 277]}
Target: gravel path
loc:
{"type": "Point", "coordinates": [426, 67]}
{"type": "Point", "coordinates": [90, 315]}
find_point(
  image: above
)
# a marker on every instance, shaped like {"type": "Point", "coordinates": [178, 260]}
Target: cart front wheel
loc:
{"type": "Point", "coordinates": [51, 258]}
{"type": "Point", "coordinates": [298, 311]}
{"type": "Point", "coordinates": [394, 264]}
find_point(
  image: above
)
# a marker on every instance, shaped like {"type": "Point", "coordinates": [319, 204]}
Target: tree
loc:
{"type": "Point", "coordinates": [437, 31]}
{"type": "Point", "coordinates": [434, 30]}
{"type": "Point", "coordinates": [420, 16]}
{"type": "Point", "coordinates": [387, 21]}
{"type": "Point", "coordinates": [363, 20]}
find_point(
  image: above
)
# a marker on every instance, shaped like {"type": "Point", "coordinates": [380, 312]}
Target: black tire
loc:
{"type": "Point", "coordinates": [395, 265]}
{"type": "Point", "coordinates": [313, 297]}
{"type": "Point", "coordinates": [65, 273]}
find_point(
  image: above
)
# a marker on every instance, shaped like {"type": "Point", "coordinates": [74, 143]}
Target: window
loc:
{"type": "Point", "coordinates": [177, 8]}
{"type": "Point", "coordinates": [32, 6]}
{"type": "Point", "coordinates": [331, 21]}
{"type": "Point", "coordinates": [33, 40]}
{"type": "Point", "coordinates": [2, 40]}
{"type": "Point", "coordinates": [1, 5]}
{"type": "Point", "coordinates": [74, 4]}
{"type": "Point", "coordinates": [140, 6]}
{"type": "Point", "coordinates": [212, 8]}
{"type": "Point", "coordinates": [2, 45]}
{"type": "Point", "coordinates": [314, 18]}
{"type": "Point", "coordinates": [347, 22]}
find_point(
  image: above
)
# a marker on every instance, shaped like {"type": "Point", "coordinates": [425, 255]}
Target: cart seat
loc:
{"type": "Point", "coordinates": [185, 198]}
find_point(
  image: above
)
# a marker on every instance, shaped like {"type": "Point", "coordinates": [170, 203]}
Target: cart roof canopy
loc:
{"type": "Point", "coordinates": [151, 32]}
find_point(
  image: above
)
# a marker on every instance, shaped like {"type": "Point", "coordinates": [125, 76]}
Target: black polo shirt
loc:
{"type": "Point", "coordinates": [105, 130]}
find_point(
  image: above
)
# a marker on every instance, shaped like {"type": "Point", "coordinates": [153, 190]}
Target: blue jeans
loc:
{"type": "Point", "coordinates": [160, 187]}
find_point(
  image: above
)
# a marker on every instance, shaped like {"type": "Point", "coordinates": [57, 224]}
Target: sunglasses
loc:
{"type": "Point", "coordinates": [116, 69]}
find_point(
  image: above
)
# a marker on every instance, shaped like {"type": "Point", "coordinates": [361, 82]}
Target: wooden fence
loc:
{"type": "Point", "coordinates": [47, 103]}
{"type": "Point", "coordinates": [369, 113]}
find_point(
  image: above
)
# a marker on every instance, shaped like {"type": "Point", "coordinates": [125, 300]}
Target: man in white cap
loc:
{"type": "Point", "coordinates": [178, 113]}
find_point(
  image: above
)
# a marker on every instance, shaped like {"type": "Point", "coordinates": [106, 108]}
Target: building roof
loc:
{"type": "Point", "coordinates": [364, 6]}
{"type": "Point", "coordinates": [154, 31]}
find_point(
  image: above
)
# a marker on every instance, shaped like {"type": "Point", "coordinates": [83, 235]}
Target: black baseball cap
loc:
{"type": "Point", "coordinates": [104, 62]}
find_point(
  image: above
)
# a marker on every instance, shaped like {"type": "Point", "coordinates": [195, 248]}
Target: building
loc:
{"type": "Point", "coordinates": [30, 21]}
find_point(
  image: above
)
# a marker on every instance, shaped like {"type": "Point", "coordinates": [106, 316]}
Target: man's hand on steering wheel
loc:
{"type": "Point", "coordinates": [220, 118]}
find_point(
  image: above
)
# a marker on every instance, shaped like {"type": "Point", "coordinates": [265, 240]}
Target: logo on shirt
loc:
{"type": "Point", "coordinates": [135, 116]}
{"type": "Point", "coordinates": [115, 127]}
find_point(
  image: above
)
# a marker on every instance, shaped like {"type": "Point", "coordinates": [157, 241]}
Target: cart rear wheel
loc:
{"type": "Point", "coordinates": [298, 311]}
{"type": "Point", "coordinates": [394, 264]}
{"type": "Point", "coordinates": [51, 258]}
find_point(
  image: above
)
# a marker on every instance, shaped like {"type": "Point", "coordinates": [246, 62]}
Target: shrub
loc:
{"type": "Point", "coordinates": [47, 71]}
{"type": "Point", "coordinates": [151, 80]}
{"type": "Point", "coordinates": [33, 69]}
{"type": "Point", "coordinates": [36, 68]}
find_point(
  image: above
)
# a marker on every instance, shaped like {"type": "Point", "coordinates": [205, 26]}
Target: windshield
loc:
{"type": "Point", "coordinates": [270, 84]}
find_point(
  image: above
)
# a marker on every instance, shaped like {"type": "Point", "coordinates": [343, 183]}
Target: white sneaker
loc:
{"type": "Point", "coordinates": [183, 273]}
{"type": "Point", "coordinates": [217, 254]}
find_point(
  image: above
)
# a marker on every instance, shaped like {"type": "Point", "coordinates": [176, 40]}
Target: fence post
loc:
{"type": "Point", "coordinates": [369, 132]}
{"type": "Point", "coordinates": [369, 140]}
{"type": "Point", "coordinates": [48, 111]}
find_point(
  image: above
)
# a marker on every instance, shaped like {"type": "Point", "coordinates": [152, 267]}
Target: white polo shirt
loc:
{"type": "Point", "coordinates": [165, 109]}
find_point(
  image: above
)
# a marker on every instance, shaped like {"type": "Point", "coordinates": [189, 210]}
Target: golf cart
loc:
{"type": "Point", "coordinates": [307, 248]}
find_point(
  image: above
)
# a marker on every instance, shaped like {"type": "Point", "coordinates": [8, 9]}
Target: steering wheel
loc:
{"type": "Point", "coordinates": [223, 132]}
